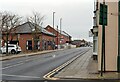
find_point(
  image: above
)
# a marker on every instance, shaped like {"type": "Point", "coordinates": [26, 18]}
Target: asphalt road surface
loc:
{"type": "Point", "coordinates": [35, 67]}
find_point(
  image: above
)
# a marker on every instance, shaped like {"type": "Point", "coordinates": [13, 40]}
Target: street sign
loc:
{"type": "Point", "coordinates": [103, 14]}
{"type": "Point", "coordinates": [103, 22]}
{"type": "Point", "coordinates": [90, 34]}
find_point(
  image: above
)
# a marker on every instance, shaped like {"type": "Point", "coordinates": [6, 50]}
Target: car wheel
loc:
{"type": "Point", "coordinates": [13, 51]}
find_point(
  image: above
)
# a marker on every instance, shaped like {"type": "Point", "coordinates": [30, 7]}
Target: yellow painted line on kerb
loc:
{"type": "Point", "coordinates": [49, 75]}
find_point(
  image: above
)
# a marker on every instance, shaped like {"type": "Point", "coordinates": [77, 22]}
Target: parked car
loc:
{"type": "Point", "coordinates": [12, 48]}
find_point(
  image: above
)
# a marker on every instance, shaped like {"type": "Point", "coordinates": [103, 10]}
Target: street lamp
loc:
{"type": "Point", "coordinates": [0, 32]}
{"type": "Point", "coordinates": [57, 36]}
{"type": "Point", "coordinates": [60, 30]}
{"type": "Point", "coordinates": [53, 29]}
{"type": "Point", "coordinates": [0, 40]}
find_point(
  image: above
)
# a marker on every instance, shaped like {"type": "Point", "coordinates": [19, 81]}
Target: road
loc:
{"type": "Point", "coordinates": [35, 67]}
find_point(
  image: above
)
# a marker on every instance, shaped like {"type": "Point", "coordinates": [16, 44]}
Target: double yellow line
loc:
{"type": "Point", "coordinates": [50, 75]}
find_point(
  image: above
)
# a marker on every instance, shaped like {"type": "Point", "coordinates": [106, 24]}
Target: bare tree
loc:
{"type": "Point", "coordinates": [8, 22]}
{"type": "Point", "coordinates": [37, 20]}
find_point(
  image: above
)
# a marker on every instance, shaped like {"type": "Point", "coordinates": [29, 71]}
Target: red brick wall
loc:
{"type": "Point", "coordinates": [23, 41]}
{"type": "Point", "coordinates": [65, 38]}
{"type": "Point", "coordinates": [50, 29]}
{"type": "Point", "coordinates": [24, 37]}
{"type": "Point", "coordinates": [47, 38]}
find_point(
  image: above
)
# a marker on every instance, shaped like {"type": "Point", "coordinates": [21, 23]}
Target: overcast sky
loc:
{"type": "Point", "coordinates": [77, 15]}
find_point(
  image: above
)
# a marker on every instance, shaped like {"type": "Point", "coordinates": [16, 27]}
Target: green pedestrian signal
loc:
{"type": "Point", "coordinates": [103, 14]}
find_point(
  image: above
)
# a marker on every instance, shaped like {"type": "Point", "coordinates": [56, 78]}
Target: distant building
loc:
{"type": "Point", "coordinates": [83, 43]}
{"type": "Point", "coordinates": [80, 43]}
{"type": "Point", "coordinates": [61, 36]}
{"type": "Point", "coordinates": [76, 42]}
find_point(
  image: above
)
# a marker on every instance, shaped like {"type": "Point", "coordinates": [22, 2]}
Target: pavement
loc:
{"type": "Point", "coordinates": [2, 58]}
{"type": "Point", "coordinates": [85, 68]}
{"type": "Point", "coordinates": [35, 67]}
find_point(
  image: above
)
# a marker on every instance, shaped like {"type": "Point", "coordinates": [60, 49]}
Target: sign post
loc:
{"type": "Point", "coordinates": [103, 22]}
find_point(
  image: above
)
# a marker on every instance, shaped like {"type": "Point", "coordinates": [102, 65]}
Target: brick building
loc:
{"type": "Point", "coordinates": [29, 38]}
{"type": "Point", "coordinates": [80, 43]}
{"type": "Point", "coordinates": [61, 36]}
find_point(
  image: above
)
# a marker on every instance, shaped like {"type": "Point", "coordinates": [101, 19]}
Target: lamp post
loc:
{"type": "Point", "coordinates": [57, 36]}
{"type": "Point", "coordinates": [53, 30]}
{"type": "Point", "coordinates": [60, 30]}
{"type": "Point", "coordinates": [0, 40]}
{"type": "Point", "coordinates": [0, 33]}
{"type": "Point", "coordinates": [41, 37]}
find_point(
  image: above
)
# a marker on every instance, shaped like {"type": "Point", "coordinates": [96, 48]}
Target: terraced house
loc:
{"type": "Point", "coordinates": [112, 35]}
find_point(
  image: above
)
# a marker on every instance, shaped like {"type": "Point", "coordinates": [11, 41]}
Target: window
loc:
{"type": "Point", "coordinates": [38, 45]}
{"type": "Point", "coordinates": [29, 45]}
{"type": "Point", "coordinates": [9, 46]}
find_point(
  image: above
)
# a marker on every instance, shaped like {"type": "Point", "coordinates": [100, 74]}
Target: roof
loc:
{"type": "Point", "coordinates": [28, 27]}
{"type": "Point", "coordinates": [57, 30]}
{"type": "Point", "coordinates": [64, 33]}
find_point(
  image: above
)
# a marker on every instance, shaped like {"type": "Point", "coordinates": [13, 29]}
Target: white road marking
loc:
{"type": "Point", "coordinates": [12, 66]}
{"type": "Point", "coordinates": [20, 76]}
{"type": "Point", "coordinates": [18, 63]}
{"type": "Point", "coordinates": [53, 56]}
{"type": "Point", "coordinates": [29, 59]}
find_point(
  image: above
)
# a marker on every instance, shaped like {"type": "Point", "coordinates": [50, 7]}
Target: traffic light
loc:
{"type": "Point", "coordinates": [103, 14]}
